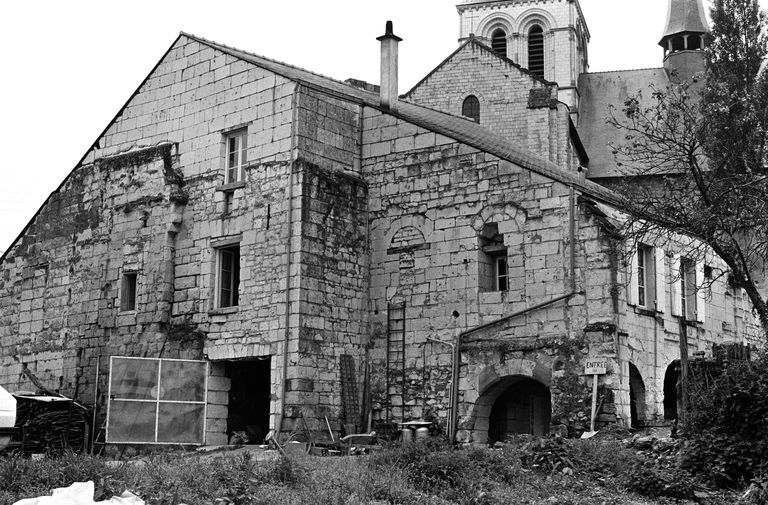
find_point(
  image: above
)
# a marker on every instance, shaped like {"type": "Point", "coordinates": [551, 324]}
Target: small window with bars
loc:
{"type": "Point", "coordinates": [236, 155]}
{"type": "Point", "coordinates": [536, 50]}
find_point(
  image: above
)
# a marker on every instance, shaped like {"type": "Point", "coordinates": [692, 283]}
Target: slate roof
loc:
{"type": "Point", "coordinates": [599, 91]}
{"type": "Point", "coordinates": [685, 16]}
{"type": "Point", "coordinates": [458, 128]}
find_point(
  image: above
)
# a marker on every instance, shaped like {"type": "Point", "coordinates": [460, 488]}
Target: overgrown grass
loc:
{"type": "Point", "coordinates": [525, 471]}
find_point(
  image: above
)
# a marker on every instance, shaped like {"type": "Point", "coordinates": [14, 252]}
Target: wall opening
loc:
{"type": "Point", "coordinates": [515, 405]}
{"type": "Point", "coordinates": [492, 259]}
{"type": "Point", "coordinates": [636, 397]}
{"type": "Point", "coordinates": [471, 108]}
{"type": "Point", "coordinates": [249, 395]}
{"type": "Point", "coordinates": [671, 378]}
{"type": "Point", "coordinates": [499, 42]}
{"type": "Point", "coordinates": [536, 50]}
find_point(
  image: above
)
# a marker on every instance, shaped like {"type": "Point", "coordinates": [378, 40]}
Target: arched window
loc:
{"type": "Point", "coordinates": [471, 108]}
{"type": "Point", "coordinates": [499, 42]}
{"type": "Point", "coordinates": [536, 50]}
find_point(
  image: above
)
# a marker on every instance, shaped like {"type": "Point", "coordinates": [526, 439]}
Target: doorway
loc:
{"type": "Point", "coordinates": [249, 400]}
{"type": "Point", "coordinates": [525, 407]}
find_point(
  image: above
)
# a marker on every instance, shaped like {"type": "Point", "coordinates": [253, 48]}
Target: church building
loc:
{"type": "Point", "coordinates": [250, 247]}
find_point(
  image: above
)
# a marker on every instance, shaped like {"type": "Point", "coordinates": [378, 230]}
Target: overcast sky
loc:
{"type": "Point", "coordinates": [68, 66]}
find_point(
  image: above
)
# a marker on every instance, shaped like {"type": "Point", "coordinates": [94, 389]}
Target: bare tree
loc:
{"type": "Point", "coordinates": [695, 153]}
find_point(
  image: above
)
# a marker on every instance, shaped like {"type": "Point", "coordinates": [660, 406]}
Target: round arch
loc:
{"type": "Point", "coordinates": [671, 378]}
{"type": "Point", "coordinates": [513, 404]}
{"type": "Point", "coordinates": [499, 20]}
{"type": "Point", "coordinates": [535, 17]}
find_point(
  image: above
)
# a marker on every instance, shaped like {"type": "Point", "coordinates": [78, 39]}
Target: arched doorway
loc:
{"type": "Point", "coordinates": [671, 378]}
{"type": "Point", "coordinates": [636, 397]}
{"type": "Point", "coordinates": [522, 406]}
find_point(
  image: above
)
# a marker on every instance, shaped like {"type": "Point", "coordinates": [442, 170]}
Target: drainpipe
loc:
{"type": "Point", "coordinates": [289, 251]}
{"type": "Point", "coordinates": [460, 338]}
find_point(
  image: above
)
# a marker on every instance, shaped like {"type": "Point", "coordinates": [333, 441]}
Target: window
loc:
{"type": "Point", "coordinates": [499, 42]}
{"type": "Point", "coordinates": [648, 278]}
{"type": "Point", "coordinates": [128, 291]}
{"type": "Point", "coordinates": [642, 271]}
{"type": "Point", "coordinates": [156, 401]}
{"type": "Point", "coordinates": [494, 271]}
{"type": "Point", "coordinates": [536, 50]}
{"type": "Point", "coordinates": [236, 155]}
{"type": "Point", "coordinates": [228, 276]}
{"type": "Point", "coordinates": [688, 289]}
{"type": "Point", "coordinates": [471, 108]}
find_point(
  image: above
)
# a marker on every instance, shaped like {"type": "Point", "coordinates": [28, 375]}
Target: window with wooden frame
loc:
{"type": "Point", "coordinates": [236, 151]}
{"type": "Point", "coordinates": [128, 291]}
{"type": "Point", "coordinates": [228, 276]}
{"type": "Point", "coordinates": [648, 278]}
{"type": "Point", "coordinates": [494, 272]}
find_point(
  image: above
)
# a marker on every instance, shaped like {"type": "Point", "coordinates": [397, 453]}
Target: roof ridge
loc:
{"type": "Point", "coordinates": [624, 70]}
{"type": "Point", "coordinates": [272, 60]}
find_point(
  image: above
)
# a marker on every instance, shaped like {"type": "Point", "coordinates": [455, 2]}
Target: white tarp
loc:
{"type": "Point", "coordinates": [80, 493]}
{"type": "Point", "coordinates": [7, 414]}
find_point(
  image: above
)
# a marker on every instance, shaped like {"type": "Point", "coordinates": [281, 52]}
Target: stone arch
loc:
{"type": "Point", "coordinates": [535, 16]}
{"type": "Point", "coordinates": [498, 20]}
{"type": "Point", "coordinates": [637, 397]}
{"type": "Point", "coordinates": [407, 237]}
{"type": "Point", "coordinates": [510, 214]}
{"type": "Point", "coordinates": [470, 108]}
{"type": "Point", "coordinates": [513, 404]}
{"type": "Point", "coordinates": [421, 223]}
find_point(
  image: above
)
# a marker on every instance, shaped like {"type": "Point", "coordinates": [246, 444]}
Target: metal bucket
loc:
{"type": "Point", "coordinates": [407, 435]}
{"type": "Point", "coordinates": [422, 433]}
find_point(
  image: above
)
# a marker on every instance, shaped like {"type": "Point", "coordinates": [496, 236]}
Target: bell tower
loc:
{"type": "Point", "coordinates": [684, 37]}
{"type": "Point", "coordinates": [548, 37]}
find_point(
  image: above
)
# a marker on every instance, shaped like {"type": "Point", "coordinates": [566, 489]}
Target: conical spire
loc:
{"type": "Point", "coordinates": [684, 16]}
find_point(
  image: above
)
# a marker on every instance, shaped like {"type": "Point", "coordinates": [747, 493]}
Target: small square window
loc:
{"type": "Point", "coordinates": [128, 291]}
{"type": "Point", "coordinates": [236, 147]}
{"type": "Point", "coordinates": [228, 278]}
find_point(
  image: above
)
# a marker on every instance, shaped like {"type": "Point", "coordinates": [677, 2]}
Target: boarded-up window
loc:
{"type": "Point", "coordinates": [156, 401]}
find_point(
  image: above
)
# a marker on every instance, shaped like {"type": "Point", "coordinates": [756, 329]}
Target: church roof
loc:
{"type": "Point", "coordinates": [599, 91]}
{"type": "Point", "coordinates": [685, 16]}
{"type": "Point", "coordinates": [458, 128]}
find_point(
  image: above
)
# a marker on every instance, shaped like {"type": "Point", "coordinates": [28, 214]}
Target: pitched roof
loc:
{"type": "Point", "coordinates": [474, 41]}
{"type": "Point", "coordinates": [685, 16]}
{"type": "Point", "coordinates": [458, 128]}
{"type": "Point", "coordinates": [599, 91]}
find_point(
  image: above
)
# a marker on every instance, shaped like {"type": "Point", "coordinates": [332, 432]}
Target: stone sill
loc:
{"type": "Point", "coordinates": [223, 311]}
{"type": "Point", "coordinates": [231, 186]}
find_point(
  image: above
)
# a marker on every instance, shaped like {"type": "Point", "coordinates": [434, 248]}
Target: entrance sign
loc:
{"type": "Point", "coordinates": [596, 367]}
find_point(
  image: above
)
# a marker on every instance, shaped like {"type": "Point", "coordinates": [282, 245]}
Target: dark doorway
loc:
{"type": "Point", "coordinates": [249, 394]}
{"type": "Point", "coordinates": [636, 397]}
{"type": "Point", "coordinates": [525, 407]}
{"type": "Point", "coordinates": [671, 378]}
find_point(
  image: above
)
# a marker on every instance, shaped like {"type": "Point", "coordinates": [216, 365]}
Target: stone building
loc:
{"type": "Point", "coordinates": [250, 246]}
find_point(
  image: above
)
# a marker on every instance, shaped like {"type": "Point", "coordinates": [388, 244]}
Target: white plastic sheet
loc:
{"type": "Point", "coordinates": [80, 493]}
{"type": "Point", "coordinates": [7, 413]}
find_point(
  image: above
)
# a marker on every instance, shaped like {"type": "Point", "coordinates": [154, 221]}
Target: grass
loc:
{"type": "Point", "coordinates": [529, 471]}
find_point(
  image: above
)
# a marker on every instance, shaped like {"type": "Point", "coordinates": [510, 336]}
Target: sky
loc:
{"type": "Point", "coordinates": [69, 66]}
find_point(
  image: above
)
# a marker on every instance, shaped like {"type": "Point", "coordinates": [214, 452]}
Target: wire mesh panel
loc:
{"type": "Point", "coordinates": [395, 359]}
{"type": "Point", "coordinates": [156, 401]}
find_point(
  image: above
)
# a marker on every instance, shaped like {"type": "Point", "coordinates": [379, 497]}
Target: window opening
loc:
{"type": "Point", "coordinates": [688, 288]}
{"type": "Point", "coordinates": [229, 276]}
{"type": "Point", "coordinates": [471, 108]}
{"type": "Point", "coordinates": [694, 42]}
{"type": "Point", "coordinates": [641, 282]}
{"type": "Point", "coordinates": [536, 50]}
{"type": "Point", "coordinates": [156, 401]}
{"type": "Point", "coordinates": [678, 44]}
{"type": "Point", "coordinates": [128, 291]}
{"type": "Point", "coordinates": [499, 42]}
{"type": "Point", "coordinates": [236, 143]}
{"type": "Point", "coordinates": [646, 277]}
{"type": "Point", "coordinates": [494, 271]}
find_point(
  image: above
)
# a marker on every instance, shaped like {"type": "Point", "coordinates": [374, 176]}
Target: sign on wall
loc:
{"type": "Point", "coordinates": [596, 366]}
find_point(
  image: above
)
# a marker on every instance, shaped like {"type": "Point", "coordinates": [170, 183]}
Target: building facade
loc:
{"type": "Point", "coordinates": [251, 247]}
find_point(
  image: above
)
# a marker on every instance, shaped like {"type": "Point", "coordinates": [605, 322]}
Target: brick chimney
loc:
{"type": "Point", "coordinates": [388, 91]}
